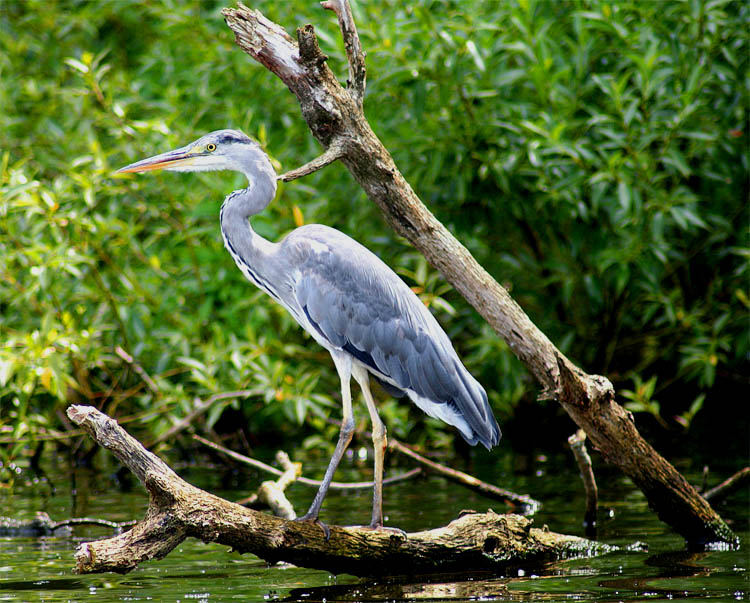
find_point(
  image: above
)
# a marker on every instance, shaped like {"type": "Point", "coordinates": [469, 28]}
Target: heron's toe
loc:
{"type": "Point", "coordinates": [314, 519]}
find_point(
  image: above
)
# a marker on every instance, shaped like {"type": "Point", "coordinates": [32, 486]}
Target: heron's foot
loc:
{"type": "Point", "coordinates": [314, 519]}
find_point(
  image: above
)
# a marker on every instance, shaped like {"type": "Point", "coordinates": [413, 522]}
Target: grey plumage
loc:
{"type": "Point", "coordinates": [347, 299]}
{"type": "Point", "coordinates": [358, 304]}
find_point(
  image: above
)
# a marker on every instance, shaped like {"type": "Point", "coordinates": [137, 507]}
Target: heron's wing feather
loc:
{"type": "Point", "coordinates": [358, 304]}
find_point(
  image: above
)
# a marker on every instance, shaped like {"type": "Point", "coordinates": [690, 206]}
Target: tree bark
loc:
{"type": "Point", "coordinates": [178, 510]}
{"type": "Point", "coordinates": [336, 119]}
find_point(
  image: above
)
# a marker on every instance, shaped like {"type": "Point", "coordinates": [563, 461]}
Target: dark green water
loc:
{"type": "Point", "coordinates": [40, 569]}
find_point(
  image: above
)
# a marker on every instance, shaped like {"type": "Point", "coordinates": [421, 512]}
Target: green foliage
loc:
{"type": "Point", "coordinates": [592, 155]}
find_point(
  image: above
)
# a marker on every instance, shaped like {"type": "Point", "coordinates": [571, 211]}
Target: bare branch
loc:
{"type": "Point", "coordinates": [199, 409]}
{"type": "Point", "coordinates": [138, 369]}
{"type": "Point", "coordinates": [528, 504]}
{"type": "Point", "coordinates": [729, 485]}
{"type": "Point", "coordinates": [354, 53]}
{"type": "Point", "coordinates": [271, 492]}
{"type": "Point", "coordinates": [331, 154]}
{"type": "Point", "coordinates": [313, 483]}
{"type": "Point", "coordinates": [577, 444]}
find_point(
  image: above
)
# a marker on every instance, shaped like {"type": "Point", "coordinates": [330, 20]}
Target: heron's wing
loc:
{"type": "Point", "coordinates": [359, 305]}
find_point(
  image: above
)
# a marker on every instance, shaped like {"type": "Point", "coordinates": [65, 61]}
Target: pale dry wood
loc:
{"type": "Point", "coordinates": [271, 493]}
{"type": "Point", "coordinates": [178, 510]}
{"type": "Point", "coordinates": [334, 152]}
{"type": "Point", "coordinates": [332, 114]}
{"type": "Point", "coordinates": [577, 443]}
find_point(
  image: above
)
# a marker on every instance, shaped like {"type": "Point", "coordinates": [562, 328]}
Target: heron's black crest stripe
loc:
{"type": "Point", "coordinates": [229, 137]}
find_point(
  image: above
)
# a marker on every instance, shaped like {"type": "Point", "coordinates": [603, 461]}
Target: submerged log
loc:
{"type": "Point", "coordinates": [177, 510]}
{"type": "Point", "coordinates": [336, 119]}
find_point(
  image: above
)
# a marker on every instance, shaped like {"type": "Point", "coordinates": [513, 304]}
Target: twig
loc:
{"type": "Point", "coordinates": [577, 444]}
{"type": "Point", "coordinates": [728, 486]}
{"type": "Point", "coordinates": [117, 526]}
{"type": "Point", "coordinates": [704, 480]}
{"type": "Point", "coordinates": [241, 458]}
{"type": "Point", "coordinates": [199, 409]}
{"type": "Point", "coordinates": [528, 505]}
{"type": "Point", "coordinates": [138, 369]}
{"type": "Point", "coordinates": [332, 153]}
{"type": "Point", "coordinates": [43, 525]}
{"type": "Point", "coordinates": [271, 492]}
{"type": "Point", "coordinates": [354, 53]}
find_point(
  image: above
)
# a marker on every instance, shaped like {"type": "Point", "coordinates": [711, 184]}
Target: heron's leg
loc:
{"type": "Point", "coordinates": [379, 442]}
{"type": "Point", "coordinates": [344, 367]}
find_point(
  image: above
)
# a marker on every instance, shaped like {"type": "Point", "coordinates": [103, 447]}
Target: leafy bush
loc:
{"type": "Point", "coordinates": [591, 155]}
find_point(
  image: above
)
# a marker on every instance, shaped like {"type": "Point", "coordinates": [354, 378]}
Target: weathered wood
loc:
{"type": "Point", "coordinates": [577, 443]}
{"type": "Point", "coordinates": [336, 118]}
{"type": "Point", "coordinates": [178, 510]}
{"type": "Point", "coordinates": [271, 493]}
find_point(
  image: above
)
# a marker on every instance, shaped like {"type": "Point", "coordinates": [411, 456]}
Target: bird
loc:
{"type": "Point", "coordinates": [348, 300]}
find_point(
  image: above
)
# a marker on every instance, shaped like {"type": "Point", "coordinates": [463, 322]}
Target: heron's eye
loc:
{"type": "Point", "coordinates": [210, 147]}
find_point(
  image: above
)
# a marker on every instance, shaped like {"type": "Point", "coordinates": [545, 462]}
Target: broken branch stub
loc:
{"type": "Point", "coordinates": [333, 114]}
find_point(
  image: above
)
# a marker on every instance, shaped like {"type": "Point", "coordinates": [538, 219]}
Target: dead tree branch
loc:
{"type": "Point", "coordinates": [728, 486]}
{"type": "Point", "coordinates": [271, 493]}
{"type": "Point", "coordinates": [332, 114]}
{"type": "Point", "coordinates": [577, 444]}
{"type": "Point", "coordinates": [314, 483]}
{"type": "Point", "coordinates": [331, 154]}
{"type": "Point", "coordinates": [528, 505]}
{"type": "Point", "coordinates": [178, 510]}
{"type": "Point", "coordinates": [200, 407]}
{"type": "Point", "coordinates": [44, 525]}
{"type": "Point", "coordinates": [354, 53]}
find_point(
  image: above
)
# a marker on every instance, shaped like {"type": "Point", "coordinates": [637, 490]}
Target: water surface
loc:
{"type": "Point", "coordinates": [660, 569]}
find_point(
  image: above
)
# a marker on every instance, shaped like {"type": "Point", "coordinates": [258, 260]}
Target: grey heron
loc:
{"type": "Point", "coordinates": [347, 299]}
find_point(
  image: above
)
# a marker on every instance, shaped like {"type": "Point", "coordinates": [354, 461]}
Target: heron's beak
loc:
{"type": "Point", "coordinates": [172, 159]}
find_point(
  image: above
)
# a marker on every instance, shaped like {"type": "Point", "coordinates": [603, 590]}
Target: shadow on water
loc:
{"type": "Point", "coordinates": [41, 569]}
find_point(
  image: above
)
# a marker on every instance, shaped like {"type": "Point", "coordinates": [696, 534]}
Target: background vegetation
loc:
{"type": "Point", "coordinates": [592, 155]}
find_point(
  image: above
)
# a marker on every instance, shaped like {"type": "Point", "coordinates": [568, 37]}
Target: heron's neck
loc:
{"type": "Point", "coordinates": [240, 239]}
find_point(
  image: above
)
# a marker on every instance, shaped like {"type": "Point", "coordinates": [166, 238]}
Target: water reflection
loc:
{"type": "Point", "coordinates": [433, 588]}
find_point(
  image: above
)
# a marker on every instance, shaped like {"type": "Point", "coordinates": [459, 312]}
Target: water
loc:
{"type": "Point", "coordinates": [40, 569]}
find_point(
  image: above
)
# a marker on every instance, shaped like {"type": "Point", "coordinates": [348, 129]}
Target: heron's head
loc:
{"type": "Point", "coordinates": [220, 150]}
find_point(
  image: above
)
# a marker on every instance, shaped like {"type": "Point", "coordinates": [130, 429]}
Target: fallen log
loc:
{"type": "Point", "coordinates": [177, 510]}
